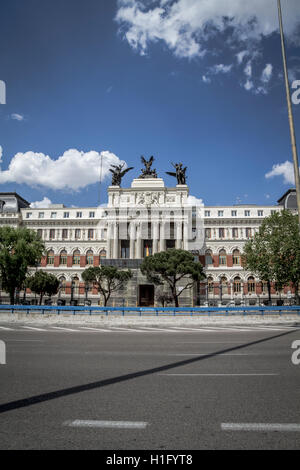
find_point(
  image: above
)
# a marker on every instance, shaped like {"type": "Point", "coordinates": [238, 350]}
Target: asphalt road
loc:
{"type": "Point", "coordinates": [138, 389]}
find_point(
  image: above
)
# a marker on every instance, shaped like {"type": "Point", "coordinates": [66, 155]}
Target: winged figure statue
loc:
{"type": "Point", "coordinates": [179, 174]}
{"type": "Point", "coordinates": [147, 172]}
{"type": "Point", "coordinates": [117, 173]}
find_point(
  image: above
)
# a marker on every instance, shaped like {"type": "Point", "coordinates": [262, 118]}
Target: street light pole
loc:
{"type": "Point", "coordinates": [290, 113]}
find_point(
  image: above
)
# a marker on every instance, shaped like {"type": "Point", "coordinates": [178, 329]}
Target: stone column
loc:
{"type": "Point", "coordinates": [132, 231]}
{"type": "Point", "coordinates": [178, 235]}
{"type": "Point", "coordinates": [155, 237]}
{"type": "Point", "coordinates": [138, 244]}
{"type": "Point", "coordinates": [162, 241]}
{"type": "Point", "coordinates": [109, 237]}
{"type": "Point", "coordinates": [185, 237]}
{"type": "Point", "coordinates": [116, 241]}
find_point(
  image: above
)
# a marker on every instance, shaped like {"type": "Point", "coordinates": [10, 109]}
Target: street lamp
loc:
{"type": "Point", "coordinates": [72, 289]}
{"type": "Point", "coordinates": [290, 113]}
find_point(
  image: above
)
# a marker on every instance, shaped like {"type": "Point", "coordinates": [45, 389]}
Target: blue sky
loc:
{"type": "Point", "coordinates": [169, 78]}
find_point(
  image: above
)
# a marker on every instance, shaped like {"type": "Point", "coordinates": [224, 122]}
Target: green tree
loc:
{"type": "Point", "coordinates": [19, 249]}
{"type": "Point", "coordinates": [43, 283]}
{"type": "Point", "coordinates": [170, 267]}
{"type": "Point", "coordinates": [274, 252]}
{"type": "Point", "coordinates": [107, 279]}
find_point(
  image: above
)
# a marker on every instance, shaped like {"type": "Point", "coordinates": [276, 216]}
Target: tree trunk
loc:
{"type": "Point", "coordinates": [296, 287]}
{"type": "Point", "coordinates": [269, 291]}
{"type": "Point", "coordinates": [12, 296]}
{"type": "Point", "coordinates": [41, 298]}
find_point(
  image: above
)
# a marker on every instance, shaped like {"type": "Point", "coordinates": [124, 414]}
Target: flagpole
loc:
{"type": "Point", "coordinates": [100, 179]}
{"type": "Point", "coordinates": [290, 113]}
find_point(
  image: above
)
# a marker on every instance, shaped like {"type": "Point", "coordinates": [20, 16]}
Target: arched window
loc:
{"type": "Point", "coordinates": [76, 257]}
{"type": "Point", "coordinates": [251, 284]}
{"type": "Point", "coordinates": [223, 285]}
{"type": "Point", "coordinates": [90, 257]}
{"type": "Point", "coordinates": [75, 284]}
{"type": "Point", "coordinates": [208, 258]}
{"type": "Point", "coordinates": [237, 284]}
{"type": "Point", "coordinates": [50, 257]}
{"type": "Point", "coordinates": [62, 284]}
{"type": "Point", "coordinates": [102, 255]}
{"type": "Point", "coordinates": [236, 258]}
{"type": "Point", "coordinates": [210, 285]}
{"type": "Point", "coordinates": [63, 257]}
{"type": "Point", "coordinates": [222, 258]}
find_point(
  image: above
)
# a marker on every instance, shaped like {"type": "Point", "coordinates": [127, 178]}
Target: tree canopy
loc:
{"type": "Point", "coordinates": [171, 267]}
{"type": "Point", "coordinates": [43, 283]}
{"type": "Point", "coordinates": [106, 278]}
{"type": "Point", "coordinates": [274, 251]}
{"type": "Point", "coordinates": [19, 249]}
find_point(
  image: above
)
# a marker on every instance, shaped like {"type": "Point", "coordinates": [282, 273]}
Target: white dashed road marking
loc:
{"type": "Point", "coordinates": [63, 329]}
{"type": "Point", "coordinates": [33, 328]}
{"type": "Point", "coordinates": [283, 427]}
{"type": "Point", "coordinates": [216, 375]}
{"type": "Point", "coordinates": [106, 424]}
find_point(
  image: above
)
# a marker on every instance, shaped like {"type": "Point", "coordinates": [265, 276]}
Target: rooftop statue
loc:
{"type": "Point", "coordinates": [117, 173]}
{"type": "Point", "coordinates": [147, 172]}
{"type": "Point", "coordinates": [180, 173]}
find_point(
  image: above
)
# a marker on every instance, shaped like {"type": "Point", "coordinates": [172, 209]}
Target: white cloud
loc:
{"type": "Point", "coordinates": [240, 56]}
{"type": "Point", "coordinates": [184, 25]}
{"type": "Point", "coordinates": [220, 68]}
{"type": "Point", "coordinates": [73, 170]}
{"type": "Point", "coordinates": [41, 204]}
{"type": "Point", "coordinates": [285, 169]}
{"type": "Point", "coordinates": [248, 85]}
{"type": "Point", "coordinates": [248, 69]}
{"type": "Point", "coordinates": [267, 73]}
{"type": "Point", "coordinates": [17, 117]}
{"type": "Point", "coordinates": [206, 79]}
{"type": "Point", "coordinates": [194, 201]}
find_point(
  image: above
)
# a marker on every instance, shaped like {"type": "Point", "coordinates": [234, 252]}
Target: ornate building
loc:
{"type": "Point", "coordinates": [141, 220]}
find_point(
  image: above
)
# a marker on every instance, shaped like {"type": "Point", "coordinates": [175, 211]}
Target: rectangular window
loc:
{"type": "Point", "coordinates": [272, 211]}
{"type": "Point", "coordinates": [221, 232]}
{"type": "Point", "coordinates": [208, 233]}
{"type": "Point", "coordinates": [77, 233]}
{"type": "Point", "coordinates": [92, 215]}
{"type": "Point", "coordinates": [64, 233]}
{"type": "Point", "coordinates": [79, 215]}
{"type": "Point", "coordinates": [233, 213]}
{"type": "Point", "coordinates": [260, 213]}
{"type": "Point", "coordinates": [28, 215]}
{"type": "Point", "coordinates": [248, 233]}
{"type": "Point", "coordinates": [207, 213]}
{"type": "Point", "coordinates": [247, 213]}
{"type": "Point", "coordinates": [124, 248]}
{"type": "Point", "coordinates": [220, 213]}
{"type": "Point", "coordinates": [90, 233]}
{"type": "Point", "coordinates": [66, 215]}
{"type": "Point", "coordinates": [53, 215]}
{"type": "Point", "coordinates": [235, 232]}
{"type": "Point", "coordinates": [52, 234]}
{"type": "Point", "coordinates": [41, 215]}
{"type": "Point", "coordinates": [39, 232]}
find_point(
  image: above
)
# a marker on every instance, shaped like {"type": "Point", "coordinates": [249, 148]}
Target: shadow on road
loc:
{"type": "Point", "coordinates": [33, 400]}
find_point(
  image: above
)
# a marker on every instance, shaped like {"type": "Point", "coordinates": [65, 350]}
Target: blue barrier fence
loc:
{"type": "Point", "coordinates": [157, 311]}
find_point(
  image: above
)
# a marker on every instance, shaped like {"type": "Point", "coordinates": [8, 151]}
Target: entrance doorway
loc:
{"type": "Point", "coordinates": [146, 295]}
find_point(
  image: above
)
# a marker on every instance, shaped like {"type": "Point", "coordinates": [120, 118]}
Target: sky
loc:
{"type": "Point", "coordinates": [192, 81]}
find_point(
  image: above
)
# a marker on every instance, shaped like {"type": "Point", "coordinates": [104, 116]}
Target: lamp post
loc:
{"type": "Point", "coordinates": [220, 289]}
{"type": "Point", "coordinates": [72, 289]}
{"type": "Point", "coordinates": [290, 112]}
{"type": "Point", "coordinates": [86, 288]}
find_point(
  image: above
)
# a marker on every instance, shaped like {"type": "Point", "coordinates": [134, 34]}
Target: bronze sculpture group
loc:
{"type": "Point", "coordinates": [147, 172]}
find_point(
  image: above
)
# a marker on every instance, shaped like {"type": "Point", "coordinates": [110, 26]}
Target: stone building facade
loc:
{"type": "Point", "coordinates": [141, 220]}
